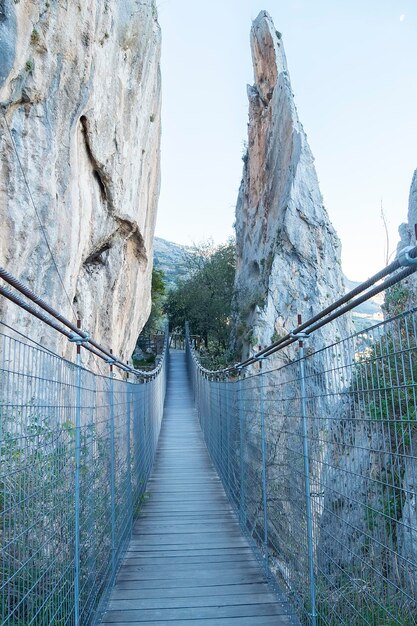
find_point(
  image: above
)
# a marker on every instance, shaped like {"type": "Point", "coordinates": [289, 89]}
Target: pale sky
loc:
{"type": "Point", "coordinates": [353, 70]}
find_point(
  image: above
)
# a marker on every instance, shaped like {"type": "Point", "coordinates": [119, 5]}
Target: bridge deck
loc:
{"type": "Point", "coordinates": [188, 562]}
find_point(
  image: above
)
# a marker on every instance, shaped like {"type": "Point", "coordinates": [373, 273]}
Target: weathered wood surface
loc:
{"type": "Point", "coordinates": [188, 562]}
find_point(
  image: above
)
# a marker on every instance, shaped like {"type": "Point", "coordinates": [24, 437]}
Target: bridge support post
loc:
{"type": "Point", "coordinates": [264, 473]}
{"type": "Point", "coordinates": [129, 494]}
{"type": "Point", "coordinates": [242, 491]}
{"type": "Point", "coordinates": [91, 562]}
{"type": "Point", "coordinates": [112, 477]}
{"type": "Point", "coordinates": [77, 563]}
{"type": "Point", "coordinates": [138, 445]}
{"type": "Point", "coordinates": [219, 430]}
{"type": "Point", "coordinates": [229, 408]}
{"type": "Point", "coordinates": [309, 511]}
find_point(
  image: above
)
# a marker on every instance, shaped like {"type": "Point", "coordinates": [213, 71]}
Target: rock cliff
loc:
{"type": "Point", "coordinates": [408, 231]}
{"type": "Point", "coordinates": [403, 296]}
{"type": "Point", "coordinates": [399, 298]}
{"type": "Point", "coordinates": [288, 262]}
{"type": "Point", "coordinates": [373, 481]}
{"type": "Point", "coordinates": [288, 252]}
{"type": "Point", "coordinates": [80, 92]}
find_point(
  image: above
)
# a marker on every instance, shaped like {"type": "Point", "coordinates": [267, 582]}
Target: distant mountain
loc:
{"type": "Point", "coordinates": [172, 258]}
{"type": "Point", "coordinates": [369, 312]}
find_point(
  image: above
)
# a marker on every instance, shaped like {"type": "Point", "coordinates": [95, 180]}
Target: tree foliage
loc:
{"type": "Point", "coordinates": [205, 298]}
{"type": "Point", "coordinates": [146, 345]}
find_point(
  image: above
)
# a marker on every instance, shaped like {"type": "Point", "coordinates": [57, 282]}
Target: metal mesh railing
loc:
{"type": "Point", "coordinates": [76, 450]}
{"type": "Point", "coordinates": [318, 454]}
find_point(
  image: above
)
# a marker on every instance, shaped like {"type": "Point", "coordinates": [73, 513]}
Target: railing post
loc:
{"type": "Point", "coordinates": [77, 537]}
{"type": "Point", "coordinates": [138, 440]}
{"type": "Point", "coordinates": [242, 494]}
{"type": "Point", "coordinates": [129, 494]}
{"type": "Point", "coordinates": [309, 513]}
{"type": "Point", "coordinates": [264, 472]}
{"type": "Point", "coordinates": [219, 428]}
{"type": "Point", "coordinates": [92, 565]}
{"type": "Point", "coordinates": [112, 476]}
{"type": "Point", "coordinates": [222, 429]}
{"type": "Point", "coordinates": [229, 406]}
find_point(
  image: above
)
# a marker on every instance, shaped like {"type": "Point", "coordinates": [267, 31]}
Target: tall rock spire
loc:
{"type": "Point", "coordinates": [408, 231]}
{"type": "Point", "coordinates": [288, 251]}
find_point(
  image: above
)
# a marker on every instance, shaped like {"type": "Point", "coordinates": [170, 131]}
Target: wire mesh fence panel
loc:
{"type": "Point", "coordinates": [36, 482]}
{"type": "Point", "coordinates": [76, 450]}
{"type": "Point", "coordinates": [317, 450]}
{"type": "Point", "coordinates": [364, 452]}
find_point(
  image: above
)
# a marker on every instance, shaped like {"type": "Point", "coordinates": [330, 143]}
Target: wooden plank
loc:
{"type": "Point", "coordinates": [190, 571]}
{"type": "Point", "coordinates": [202, 613]}
{"type": "Point", "coordinates": [178, 565]}
{"type": "Point", "coordinates": [186, 551]}
{"type": "Point", "coordinates": [166, 562]}
{"type": "Point", "coordinates": [214, 591]}
{"type": "Point", "coordinates": [226, 578]}
{"type": "Point", "coordinates": [231, 621]}
{"type": "Point", "coordinates": [191, 601]}
{"type": "Point", "coordinates": [187, 561]}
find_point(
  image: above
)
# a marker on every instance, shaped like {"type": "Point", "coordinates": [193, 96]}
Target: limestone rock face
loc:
{"type": "Point", "coordinates": [408, 237]}
{"type": "Point", "coordinates": [407, 231]}
{"type": "Point", "coordinates": [406, 298]}
{"type": "Point", "coordinates": [288, 263]}
{"type": "Point", "coordinates": [80, 91]}
{"type": "Point", "coordinates": [288, 251]}
{"type": "Point", "coordinates": [407, 529]}
{"type": "Point", "coordinates": [403, 296]}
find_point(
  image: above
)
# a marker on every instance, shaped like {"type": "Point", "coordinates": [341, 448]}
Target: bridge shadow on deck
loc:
{"type": "Point", "coordinates": [188, 562]}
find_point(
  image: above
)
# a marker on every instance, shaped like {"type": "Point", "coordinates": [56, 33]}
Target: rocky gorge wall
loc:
{"type": "Point", "coordinates": [400, 298]}
{"type": "Point", "coordinates": [288, 254]}
{"type": "Point", "coordinates": [371, 464]}
{"type": "Point", "coordinates": [80, 91]}
{"type": "Point", "coordinates": [288, 263]}
{"type": "Point", "coordinates": [361, 445]}
{"type": "Point", "coordinates": [407, 231]}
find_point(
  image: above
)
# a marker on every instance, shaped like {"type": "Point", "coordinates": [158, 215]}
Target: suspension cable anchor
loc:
{"type": "Point", "coordinates": [404, 258]}
{"type": "Point", "coordinates": [296, 335]}
{"type": "Point", "coordinates": [78, 339]}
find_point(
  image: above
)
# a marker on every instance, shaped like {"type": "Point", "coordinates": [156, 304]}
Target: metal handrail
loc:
{"type": "Point", "coordinates": [77, 335]}
{"type": "Point", "coordinates": [317, 456]}
{"type": "Point", "coordinates": [406, 258]}
{"type": "Point", "coordinates": [77, 450]}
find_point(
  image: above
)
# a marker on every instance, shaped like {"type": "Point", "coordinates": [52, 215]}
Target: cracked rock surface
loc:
{"type": "Point", "coordinates": [408, 231]}
{"type": "Point", "coordinates": [288, 251]}
{"type": "Point", "coordinates": [80, 90]}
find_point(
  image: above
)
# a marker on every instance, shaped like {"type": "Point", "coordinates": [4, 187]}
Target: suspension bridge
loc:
{"type": "Point", "coordinates": [281, 490]}
{"type": "Point", "coordinates": [188, 560]}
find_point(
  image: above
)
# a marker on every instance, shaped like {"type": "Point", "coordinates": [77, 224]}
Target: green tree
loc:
{"type": "Point", "coordinates": [154, 324]}
{"type": "Point", "coordinates": [205, 298]}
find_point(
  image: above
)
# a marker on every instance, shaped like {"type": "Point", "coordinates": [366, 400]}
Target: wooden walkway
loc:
{"type": "Point", "coordinates": [188, 562]}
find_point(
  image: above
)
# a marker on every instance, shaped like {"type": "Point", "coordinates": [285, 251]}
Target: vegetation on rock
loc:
{"type": "Point", "coordinates": [146, 348]}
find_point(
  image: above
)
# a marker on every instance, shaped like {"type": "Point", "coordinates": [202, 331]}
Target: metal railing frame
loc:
{"type": "Point", "coordinates": [114, 429]}
{"type": "Point", "coordinates": [404, 266]}
{"type": "Point", "coordinates": [73, 332]}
